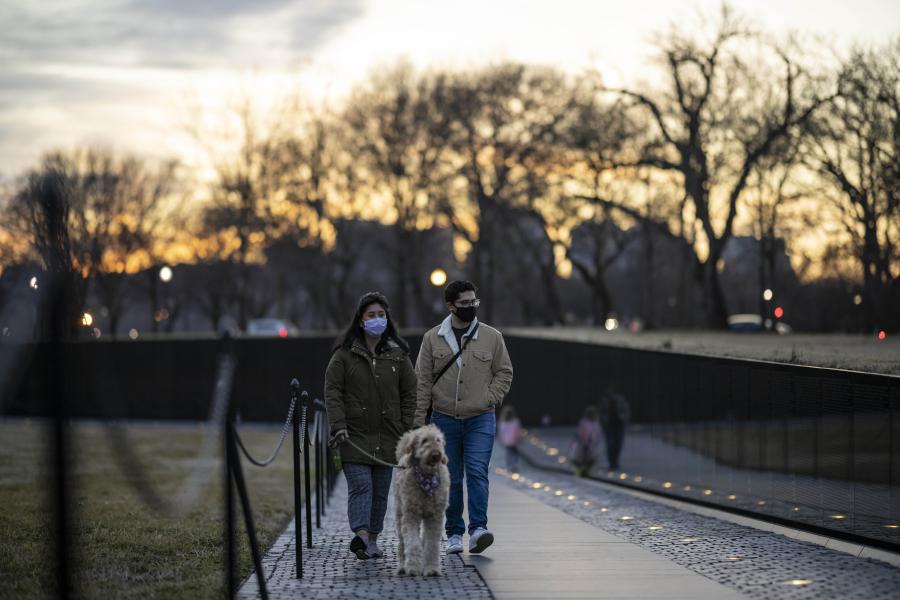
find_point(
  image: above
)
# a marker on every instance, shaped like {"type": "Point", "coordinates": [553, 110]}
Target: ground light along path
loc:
{"type": "Point", "coordinates": [755, 563]}
{"type": "Point", "coordinates": [562, 537]}
{"type": "Point", "coordinates": [651, 464]}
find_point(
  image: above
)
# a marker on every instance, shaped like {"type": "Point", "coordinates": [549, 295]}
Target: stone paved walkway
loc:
{"type": "Point", "coordinates": [330, 571]}
{"type": "Point", "coordinates": [563, 537]}
{"type": "Point", "coordinates": [757, 563]}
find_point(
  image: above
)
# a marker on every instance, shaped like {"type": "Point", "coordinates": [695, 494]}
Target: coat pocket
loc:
{"type": "Point", "coordinates": [483, 356]}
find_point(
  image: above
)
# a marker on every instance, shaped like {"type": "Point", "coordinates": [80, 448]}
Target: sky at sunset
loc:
{"type": "Point", "coordinates": [119, 72]}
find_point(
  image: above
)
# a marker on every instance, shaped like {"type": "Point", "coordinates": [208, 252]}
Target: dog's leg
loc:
{"type": "Point", "coordinates": [413, 550]}
{"type": "Point", "coordinates": [401, 547]}
{"type": "Point", "coordinates": [432, 545]}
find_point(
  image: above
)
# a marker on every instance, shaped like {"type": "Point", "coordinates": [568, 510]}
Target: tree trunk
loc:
{"type": "Point", "coordinates": [647, 292]}
{"type": "Point", "coordinates": [716, 311]}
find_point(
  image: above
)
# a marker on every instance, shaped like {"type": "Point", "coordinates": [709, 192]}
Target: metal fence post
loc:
{"type": "Point", "coordinates": [306, 486]}
{"type": "Point", "coordinates": [240, 484]}
{"type": "Point", "coordinates": [318, 464]}
{"type": "Point", "coordinates": [59, 445]}
{"type": "Point", "coordinates": [229, 513]}
{"type": "Point", "coordinates": [298, 524]}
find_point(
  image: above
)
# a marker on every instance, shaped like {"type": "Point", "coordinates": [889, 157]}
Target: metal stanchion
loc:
{"type": "Point", "coordinates": [238, 474]}
{"type": "Point", "coordinates": [229, 518]}
{"type": "Point", "coordinates": [318, 463]}
{"type": "Point", "coordinates": [298, 524]}
{"type": "Point", "coordinates": [59, 445]}
{"type": "Point", "coordinates": [306, 486]}
{"type": "Point", "coordinates": [323, 449]}
{"type": "Point", "coordinates": [230, 546]}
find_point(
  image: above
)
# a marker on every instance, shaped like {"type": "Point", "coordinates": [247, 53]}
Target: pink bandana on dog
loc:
{"type": "Point", "coordinates": [429, 482]}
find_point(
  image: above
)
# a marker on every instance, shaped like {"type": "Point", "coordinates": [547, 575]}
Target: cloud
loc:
{"type": "Point", "coordinates": [64, 56]}
{"type": "Point", "coordinates": [171, 33]}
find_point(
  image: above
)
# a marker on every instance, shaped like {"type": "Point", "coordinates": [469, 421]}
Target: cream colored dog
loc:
{"type": "Point", "coordinates": [422, 490]}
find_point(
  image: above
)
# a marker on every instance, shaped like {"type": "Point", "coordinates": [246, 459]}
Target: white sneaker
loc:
{"type": "Point", "coordinates": [454, 544]}
{"type": "Point", "coordinates": [479, 540]}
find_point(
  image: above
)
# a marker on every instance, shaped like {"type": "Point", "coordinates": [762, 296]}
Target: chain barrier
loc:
{"type": "Point", "coordinates": [303, 427]}
{"type": "Point", "coordinates": [274, 454]}
{"type": "Point", "coordinates": [201, 470]}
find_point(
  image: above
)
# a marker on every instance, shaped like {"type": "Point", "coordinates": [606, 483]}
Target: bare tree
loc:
{"type": "Point", "coordinates": [855, 145]}
{"type": "Point", "coordinates": [248, 186]}
{"type": "Point", "coordinates": [41, 210]}
{"type": "Point", "coordinates": [505, 121]}
{"type": "Point", "coordinates": [720, 114]}
{"type": "Point", "coordinates": [113, 206]}
{"type": "Point", "coordinates": [399, 137]}
{"type": "Point", "coordinates": [771, 192]}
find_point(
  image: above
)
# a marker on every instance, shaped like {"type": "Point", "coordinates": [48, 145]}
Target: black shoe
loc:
{"type": "Point", "coordinates": [358, 547]}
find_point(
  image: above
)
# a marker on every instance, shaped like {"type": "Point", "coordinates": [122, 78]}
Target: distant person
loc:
{"type": "Point", "coordinates": [614, 415]}
{"type": "Point", "coordinates": [511, 433]}
{"type": "Point", "coordinates": [583, 451]}
{"type": "Point", "coordinates": [464, 372]}
{"type": "Point", "coordinates": [370, 398]}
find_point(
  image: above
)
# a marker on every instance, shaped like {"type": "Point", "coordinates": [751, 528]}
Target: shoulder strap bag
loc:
{"type": "Point", "coordinates": [446, 367]}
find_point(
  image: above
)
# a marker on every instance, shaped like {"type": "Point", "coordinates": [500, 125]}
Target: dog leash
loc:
{"type": "Point", "coordinates": [375, 458]}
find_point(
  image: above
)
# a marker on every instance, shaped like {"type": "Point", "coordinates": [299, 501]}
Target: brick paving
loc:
{"type": "Point", "coordinates": [330, 571]}
{"type": "Point", "coordinates": [755, 563]}
{"type": "Point", "coordinates": [759, 564]}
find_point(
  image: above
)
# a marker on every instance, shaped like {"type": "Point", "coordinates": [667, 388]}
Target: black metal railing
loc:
{"type": "Point", "coordinates": [313, 480]}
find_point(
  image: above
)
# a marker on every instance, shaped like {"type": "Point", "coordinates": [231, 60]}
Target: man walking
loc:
{"type": "Point", "coordinates": [464, 372]}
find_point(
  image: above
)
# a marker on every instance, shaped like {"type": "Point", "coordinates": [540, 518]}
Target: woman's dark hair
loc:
{"type": "Point", "coordinates": [590, 412]}
{"type": "Point", "coordinates": [455, 288]}
{"type": "Point", "coordinates": [355, 332]}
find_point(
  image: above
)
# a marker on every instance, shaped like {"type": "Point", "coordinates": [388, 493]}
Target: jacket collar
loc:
{"type": "Point", "coordinates": [360, 347]}
{"type": "Point", "coordinates": [446, 332]}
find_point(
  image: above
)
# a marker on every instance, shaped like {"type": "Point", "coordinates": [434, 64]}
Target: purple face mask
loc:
{"type": "Point", "coordinates": [375, 326]}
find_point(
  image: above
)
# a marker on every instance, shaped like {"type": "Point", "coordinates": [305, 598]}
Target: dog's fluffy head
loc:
{"type": "Point", "coordinates": [422, 447]}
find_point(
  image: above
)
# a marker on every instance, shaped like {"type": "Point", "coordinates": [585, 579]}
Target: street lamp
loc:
{"type": "Point", "coordinates": [767, 294]}
{"type": "Point", "coordinates": [87, 319]}
{"type": "Point", "coordinates": [33, 283]}
{"type": "Point", "coordinates": [438, 277]}
{"type": "Point", "coordinates": [165, 275]}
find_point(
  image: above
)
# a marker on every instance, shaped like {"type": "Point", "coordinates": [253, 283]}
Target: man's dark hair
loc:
{"type": "Point", "coordinates": [455, 288]}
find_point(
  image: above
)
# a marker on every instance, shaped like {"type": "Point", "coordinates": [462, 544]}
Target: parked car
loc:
{"type": "Point", "coordinates": [747, 322]}
{"type": "Point", "coordinates": [271, 328]}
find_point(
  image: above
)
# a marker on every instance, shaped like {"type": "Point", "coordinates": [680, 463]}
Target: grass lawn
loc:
{"type": "Point", "coordinates": [839, 351]}
{"type": "Point", "coordinates": [123, 549]}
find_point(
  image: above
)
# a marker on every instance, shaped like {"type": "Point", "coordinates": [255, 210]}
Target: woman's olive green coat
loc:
{"type": "Point", "coordinates": [372, 397]}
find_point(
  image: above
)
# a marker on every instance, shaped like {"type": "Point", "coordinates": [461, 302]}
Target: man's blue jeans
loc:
{"type": "Point", "coordinates": [469, 445]}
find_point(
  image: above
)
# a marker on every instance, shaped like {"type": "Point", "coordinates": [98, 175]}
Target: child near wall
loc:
{"type": "Point", "coordinates": [510, 433]}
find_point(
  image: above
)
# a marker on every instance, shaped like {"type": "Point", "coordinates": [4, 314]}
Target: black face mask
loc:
{"type": "Point", "coordinates": [466, 313]}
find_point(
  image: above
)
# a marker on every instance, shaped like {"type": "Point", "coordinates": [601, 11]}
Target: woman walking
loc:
{"type": "Point", "coordinates": [370, 398]}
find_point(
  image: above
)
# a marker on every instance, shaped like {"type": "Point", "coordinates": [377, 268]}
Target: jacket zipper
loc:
{"type": "Point", "coordinates": [458, 375]}
{"type": "Point", "coordinates": [378, 394]}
